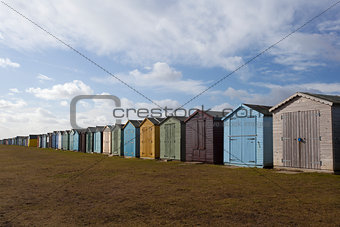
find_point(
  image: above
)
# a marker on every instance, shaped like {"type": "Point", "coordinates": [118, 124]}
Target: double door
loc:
{"type": "Point", "coordinates": [147, 142]}
{"type": "Point", "coordinates": [301, 139]}
{"type": "Point", "coordinates": [243, 139]}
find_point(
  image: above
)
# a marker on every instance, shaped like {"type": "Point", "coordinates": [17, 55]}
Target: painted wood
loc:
{"type": "Point", "coordinates": [107, 139]}
{"type": "Point", "coordinates": [204, 138]}
{"type": "Point", "coordinates": [172, 139]}
{"type": "Point", "coordinates": [297, 112]}
{"type": "Point", "coordinates": [131, 138]}
{"type": "Point", "coordinates": [117, 140]}
{"type": "Point", "coordinates": [32, 141]}
{"type": "Point", "coordinates": [65, 140]}
{"type": "Point", "coordinates": [89, 139]}
{"type": "Point", "coordinates": [98, 140]}
{"type": "Point", "coordinates": [248, 137]}
{"type": "Point", "coordinates": [149, 138]}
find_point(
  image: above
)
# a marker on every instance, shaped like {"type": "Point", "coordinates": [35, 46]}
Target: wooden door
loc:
{"type": "Point", "coordinates": [249, 136]}
{"type": "Point", "coordinates": [169, 140]}
{"type": "Point", "coordinates": [301, 139]}
{"type": "Point", "coordinates": [143, 139]}
{"type": "Point", "coordinates": [106, 142]}
{"type": "Point", "coordinates": [235, 140]}
{"type": "Point", "coordinates": [115, 142]}
{"type": "Point", "coordinates": [129, 142]}
{"type": "Point", "coordinates": [199, 140]}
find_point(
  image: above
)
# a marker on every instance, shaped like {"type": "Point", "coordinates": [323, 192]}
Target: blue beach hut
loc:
{"type": "Point", "coordinates": [131, 138]}
{"type": "Point", "coordinates": [54, 139]}
{"type": "Point", "coordinates": [248, 136]}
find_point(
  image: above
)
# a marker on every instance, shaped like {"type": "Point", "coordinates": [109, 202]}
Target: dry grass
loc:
{"type": "Point", "coordinates": [46, 187]}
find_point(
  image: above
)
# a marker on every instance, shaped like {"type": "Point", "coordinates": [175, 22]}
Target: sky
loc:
{"type": "Point", "coordinates": [169, 51]}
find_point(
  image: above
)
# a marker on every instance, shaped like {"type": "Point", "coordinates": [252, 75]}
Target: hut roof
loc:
{"type": "Point", "coordinates": [181, 119]}
{"type": "Point", "coordinates": [154, 120]}
{"type": "Point", "coordinates": [118, 126]}
{"type": "Point", "coordinates": [100, 128]}
{"type": "Point", "coordinates": [261, 109]}
{"type": "Point", "coordinates": [91, 129]}
{"type": "Point", "coordinates": [135, 123]}
{"type": "Point", "coordinates": [325, 99]}
{"type": "Point", "coordinates": [217, 115]}
{"type": "Point", "coordinates": [109, 127]}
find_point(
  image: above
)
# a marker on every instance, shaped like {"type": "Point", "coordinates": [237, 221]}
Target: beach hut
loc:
{"type": "Point", "coordinates": [38, 140]}
{"type": "Point", "coordinates": [117, 140]}
{"type": "Point", "coordinates": [204, 137]}
{"type": "Point", "coordinates": [26, 139]}
{"type": "Point", "coordinates": [70, 142]}
{"type": "Point", "coordinates": [172, 138]}
{"type": "Point", "coordinates": [60, 140]}
{"type": "Point", "coordinates": [75, 138]}
{"type": "Point", "coordinates": [43, 140]}
{"type": "Point", "coordinates": [82, 140]}
{"type": "Point", "coordinates": [131, 138]}
{"type": "Point", "coordinates": [98, 140]}
{"type": "Point", "coordinates": [107, 139]}
{"type": "Point", "coordinates": [49, 140]}
{"type": "Point", "coordinates": [65, 140]}
{"type": "Point", "coordinates": [89, 139]}
{"type": "Point", "coordinates": [149, 138]}
{"type": "Point", "coordinates": [306, 132]}
{"type": "Point", "coordinates": [32, 140]}
{"type": "Point", "coordinates": [248, 136]}
{"type": "Point", "coordinates": [54, 140]}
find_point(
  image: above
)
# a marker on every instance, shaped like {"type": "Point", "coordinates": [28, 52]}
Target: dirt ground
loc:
{"type": "Point", "coordinates": [45, 187]}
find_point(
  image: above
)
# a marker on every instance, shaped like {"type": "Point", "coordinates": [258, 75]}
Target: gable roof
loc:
{"type": "Point", "coordinates": [91, 129]}
{"type": "Point", "coordinates": [181, 119]}
{"type": "Point", "coordinates": [99, 128]}
{"type": "Point", "coordinates": [325, 99]}
{"type": "Point", "coordinates": [109, 127]}
{"type": "Point", "coordinates": [260, 108]}
{"type": "Point", "coordinates": [135, 123]}
{"type": "Point", "coordinates": [153, 120]}
{"type": "Point", "coordinates": [118, 126]}
{"type": "Point", "coordinates": [216, 115]}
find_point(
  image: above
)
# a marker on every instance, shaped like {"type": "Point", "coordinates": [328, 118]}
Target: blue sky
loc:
{"type": "Point", "coordinates": [170, 51]}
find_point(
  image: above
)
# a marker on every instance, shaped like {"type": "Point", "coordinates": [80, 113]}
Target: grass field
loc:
{"type": "Point", "coordinates": [44, 187]}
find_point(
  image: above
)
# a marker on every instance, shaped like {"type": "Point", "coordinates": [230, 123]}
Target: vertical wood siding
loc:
{"type": "Point", "coordinates": [284, 135]}
{"type": "Point", "coordinates": [200, 133]}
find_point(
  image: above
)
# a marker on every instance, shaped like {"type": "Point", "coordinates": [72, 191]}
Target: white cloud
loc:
{"type": "Point", "coordinates": [36, 120]}
{"type": "Point", "coordinates": [234, 93]}
{"type": "Point", "coordinates": [190, 32]}
{"type": "Point", "coordinates": [62, 91]}
{"type": "Point", "coordinates": [6, 62]}
{"type": "Point", "coordinates": [222, 106]}
{"type": "Point", "coordinates": [42, 77]}
{"type": "Point", "coordinates": [329, 26]}
{"type": "Point", "coordinates": [304, 51]}
{"type": "Point", "coordinates": [160, 77]}
{"type": "Point", "coordinates": [14, 90]}
{"type": "Point", "coordinates": [6, 104]}
{"type": "Point", "coordinates": [63, 103]}
{"type": "Point", "coordinates": [277, 93]}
